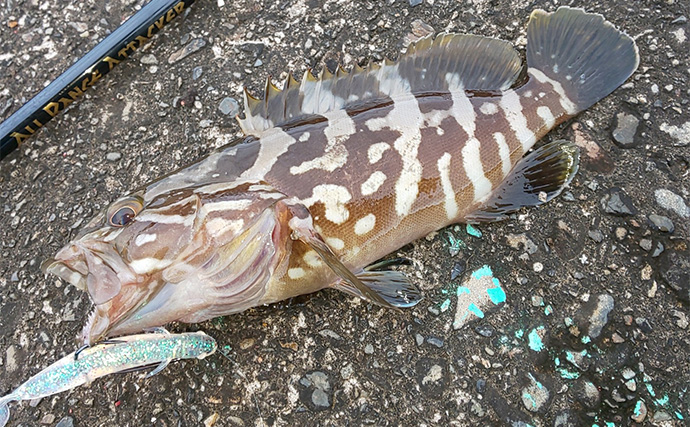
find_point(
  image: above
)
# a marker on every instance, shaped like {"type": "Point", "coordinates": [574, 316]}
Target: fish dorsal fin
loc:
{"type": "Point", "coordinates": [447, 63]}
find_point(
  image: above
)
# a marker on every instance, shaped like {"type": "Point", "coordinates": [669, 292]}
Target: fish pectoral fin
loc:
{"type": "Point", "coordinates": [537, 178]}
{"type": "Point", "coordinates": [302, 227]}
{"type": "Point", "coordinates": [391, 285]}
{"type": "Point", "coordinates": [164, 364]}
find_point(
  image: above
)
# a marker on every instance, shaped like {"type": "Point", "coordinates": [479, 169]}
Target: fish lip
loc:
{"type": "Point", "coordinates": [65, 272]}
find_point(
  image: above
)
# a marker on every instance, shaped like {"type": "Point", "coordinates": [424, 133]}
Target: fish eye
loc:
{"type": "Point", "coordinates": [123, 212]}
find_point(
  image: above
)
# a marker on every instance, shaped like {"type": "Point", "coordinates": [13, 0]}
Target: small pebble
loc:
{"type": "Point", "coordinates": [193, 46]}
{"type": "Point", "coordinates": [229, 107]}
{"type": "Point", "coordinates": [662, 223]}
{"type": "Point", "coordinates": [640, 412]}
{"type": "Point", "coordinates": [414, 3]}
{"type": "Point", "coordinates": [646, 244]}
{"type": "Point", "coordinates": [628, 373]}
{"type": "Point", "coordinates": [669, 200]}
{"type": "Point", "coordinates": [617, 202]}
{"type": "Point", "coordinates": [535, 395]}
{"type": "Point", "coordinates": [148, 60]}
{"type": "Point", "coordinates": [437, 342]}
{"type": "Point", "coordinates": [596, 235]}
{"type": "Point", "coordinates": [597, 312]}
{"type": "Point", "coordinates": [625, 129]}
{"type": "Point", "coordinates": [48, 419]}
{"type": "Point", "coordinates": [484, 330]}
{"type": "Point", "coordinates": [65, 422]}
{"type": "Point", "coordinates": [113, 156]}
{"type": "Point", "coordinates": [197, 72]}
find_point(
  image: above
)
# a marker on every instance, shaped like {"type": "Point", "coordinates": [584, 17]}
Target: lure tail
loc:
{"type": "Point", "coordinates": [584, 55]}
{"type": "Point", "coordinates": [5, 409]}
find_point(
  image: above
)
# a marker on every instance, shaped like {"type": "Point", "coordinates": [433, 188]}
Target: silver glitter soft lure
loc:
{"type": "Point", "coordinates": [127, 353]}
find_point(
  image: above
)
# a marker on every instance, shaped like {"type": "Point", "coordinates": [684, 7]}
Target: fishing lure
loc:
{"type": "Point", "coordinates": [127, 353]}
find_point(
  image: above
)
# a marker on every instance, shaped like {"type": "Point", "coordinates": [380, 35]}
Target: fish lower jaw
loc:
{"type": "Point", "coordinates": [96, 325]}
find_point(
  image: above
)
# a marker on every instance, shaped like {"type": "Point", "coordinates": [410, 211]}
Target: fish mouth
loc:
{"type": "Point", "coordinates": [98, 269]}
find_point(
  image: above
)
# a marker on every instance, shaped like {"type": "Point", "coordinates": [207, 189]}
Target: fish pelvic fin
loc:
{"type": "Point", "coordinates": [537, 178]}
{"type": "Point", "coordinates": [391, 285]}
{"type": "Point", "coordinates": [580, 54]}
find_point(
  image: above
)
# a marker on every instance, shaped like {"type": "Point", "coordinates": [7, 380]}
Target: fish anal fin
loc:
{"type": "Point", "coordinates": [391, 285]}
{"type": "Point", "coordinates": [537, 178]}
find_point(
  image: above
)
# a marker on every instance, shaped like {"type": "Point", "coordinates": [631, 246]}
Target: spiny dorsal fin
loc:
{"type": "Point", "coordinates": [449, 62]}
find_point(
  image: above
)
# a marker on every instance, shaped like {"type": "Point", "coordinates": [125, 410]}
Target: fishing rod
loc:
{"type": "Point", "coordinates": [71, 85]}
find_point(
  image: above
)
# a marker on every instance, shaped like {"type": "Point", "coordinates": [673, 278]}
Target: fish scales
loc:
{"type": "Point", "coordinates": [337, 171]}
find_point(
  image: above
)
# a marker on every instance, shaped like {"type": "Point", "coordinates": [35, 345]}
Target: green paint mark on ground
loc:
{"type": "Point", "coordinates": [586, 339]}
{"type": "Point", "coordinates": [445, 305]}
{"type": "Point", "coordinates": [535, 342]}
{"type": "Point", "coordinates": [473, 231]}
{"type": "Point", "coordinates": [679, 415]}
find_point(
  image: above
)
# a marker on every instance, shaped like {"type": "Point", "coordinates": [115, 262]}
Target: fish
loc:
{"type": "Point", "coordinates": [338, 170]}
{"type": "Point", "coordinates": [125, 354]}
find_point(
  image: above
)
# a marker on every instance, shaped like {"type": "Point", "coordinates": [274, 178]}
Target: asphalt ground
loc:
{"type": "Point", "coordinates": [594, 329]}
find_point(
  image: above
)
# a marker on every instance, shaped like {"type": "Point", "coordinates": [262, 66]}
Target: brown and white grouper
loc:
{"type": "Point", "coordinates": [339, 170]}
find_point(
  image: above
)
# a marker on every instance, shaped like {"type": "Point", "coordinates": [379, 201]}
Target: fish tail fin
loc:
{"type": "Point", "coordinates": [582, 52]}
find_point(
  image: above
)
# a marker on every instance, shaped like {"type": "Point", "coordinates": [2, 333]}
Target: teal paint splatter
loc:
{"type": "Point", "coordinates": [519, 333]}
{"type": "Point", "coordinates": [473, 231]}
{"type": "Point", "coordinates": [568, 375]}
{"type": "Point", "coordinates": [650, 389]}
{"type": "Point", "coordinates": [445, 305]}
{"type": "Point", "coordinates": [610, 424]}
{"type": "Point", "coordinates": [535, 342]}
{"type": "Point", "coordinates": [568, 322]}
{"type": "Point", "coordinates": [638, 408]}
{"type": "Point", "coordinates": [548, 310]}
{"type": "Point", "coordinates": [586, 339]}
{"type": "Point", "coordinates": [476, 310]}
{"type": "Point", "coordinates": [662, 401]}
{"type": "Point", "coordinates": [463, 290]}
{"type": "Point", "coordinates": [497, 295]}
{"type": "Point", "coordinates": [570, 356]}
{"type": "Point", "coordinates": [679, 415]}
{"type": "Point", "coordinates": [485, 271]}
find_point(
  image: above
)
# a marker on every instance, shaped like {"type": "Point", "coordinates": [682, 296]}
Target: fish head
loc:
{"type": "Point", "coordinates": [155, 257]}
